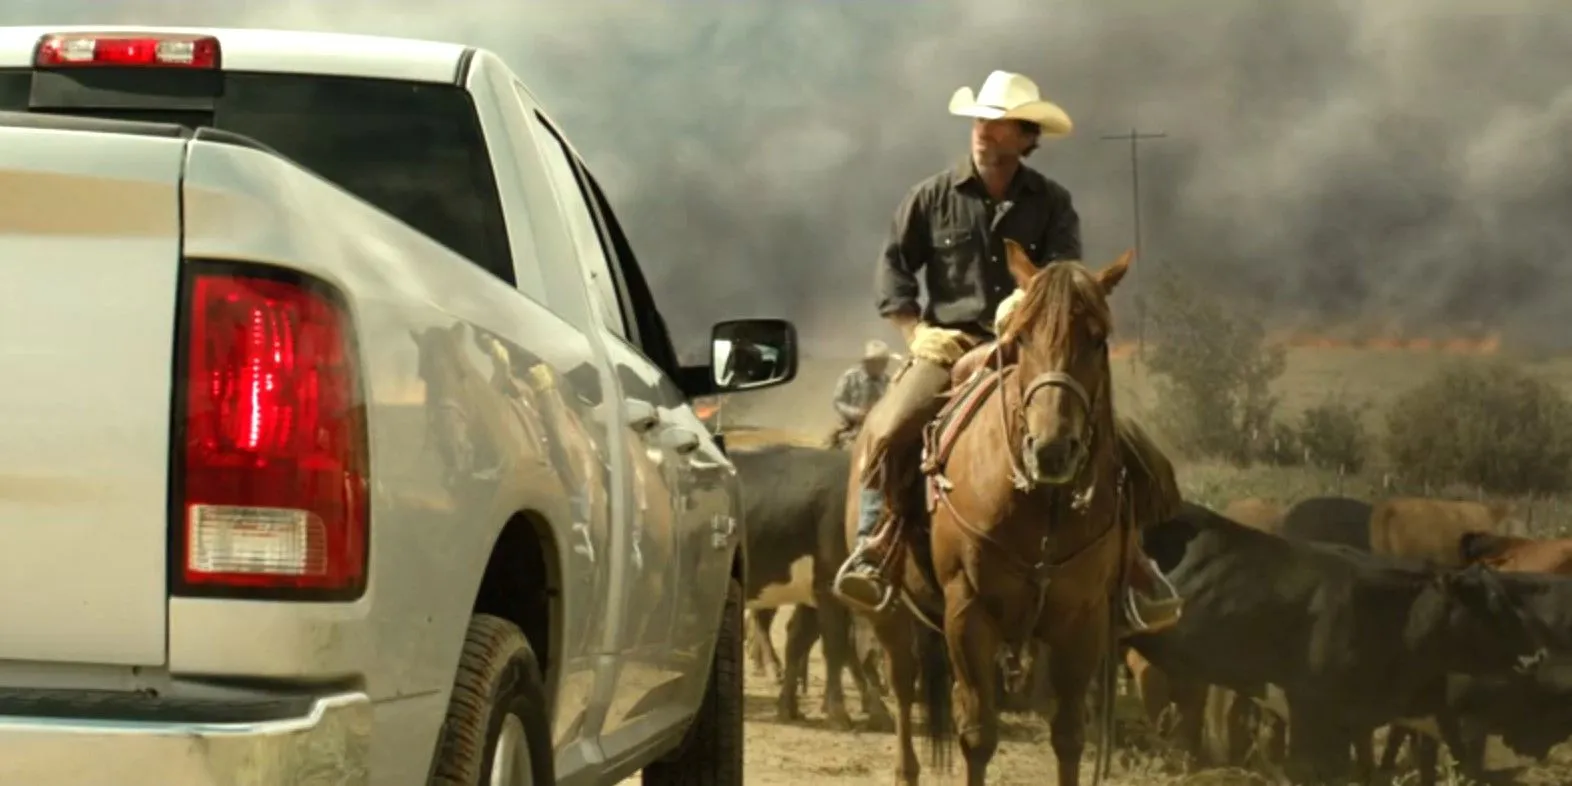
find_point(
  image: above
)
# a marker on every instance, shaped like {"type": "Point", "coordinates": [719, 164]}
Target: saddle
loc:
{"type": "Point", "coordinates": [975, 378]}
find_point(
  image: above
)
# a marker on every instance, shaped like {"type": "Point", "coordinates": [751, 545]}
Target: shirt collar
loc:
{"type": "Point", "coordinates": [964, 178]}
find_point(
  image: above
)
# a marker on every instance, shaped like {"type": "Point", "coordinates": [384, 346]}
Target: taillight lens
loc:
{"type": "Point", "coordinates": [275, 463]}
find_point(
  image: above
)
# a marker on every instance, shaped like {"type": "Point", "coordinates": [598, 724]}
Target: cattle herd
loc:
{"type": "Point", "coordinates": [1306, 628]}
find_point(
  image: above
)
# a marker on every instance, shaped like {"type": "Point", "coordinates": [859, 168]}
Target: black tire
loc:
{"type": "Point", "coordinates": [498, 676]}
{"type": "Point", "coordinates": [711, 755]}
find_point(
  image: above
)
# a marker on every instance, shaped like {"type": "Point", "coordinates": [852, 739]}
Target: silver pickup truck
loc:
{"type": "Point", "coordinates": [341, 441]}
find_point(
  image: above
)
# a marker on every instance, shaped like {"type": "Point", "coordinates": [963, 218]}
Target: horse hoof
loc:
{"type": "Point", "coordinates": [838, 721]}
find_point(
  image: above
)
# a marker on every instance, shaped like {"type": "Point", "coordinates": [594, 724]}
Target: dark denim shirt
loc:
{"type": "Point", "coordinates": [949, 230]}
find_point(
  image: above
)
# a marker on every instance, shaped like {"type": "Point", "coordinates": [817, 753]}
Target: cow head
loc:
{"type": "Point", "coordinates": [1487, 621]}
{"type": "Point", "coordinates": [1532, 712]}
{"type": "Point", "coordinates": [1477, 546]}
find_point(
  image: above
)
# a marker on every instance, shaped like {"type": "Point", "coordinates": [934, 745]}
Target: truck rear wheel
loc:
{"type": "Point", "coordinates": [496, 730]}
{"type": "Point", "coordinates": [712, 753]}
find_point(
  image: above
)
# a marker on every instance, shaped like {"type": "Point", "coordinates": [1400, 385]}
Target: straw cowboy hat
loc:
{"type": "Point", "coordinates": [1006, 95]}
{"type": "Point", "coordinates": [876, 350]}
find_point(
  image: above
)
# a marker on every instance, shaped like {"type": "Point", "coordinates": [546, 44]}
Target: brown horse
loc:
{"type": "Point", "coordinates": [1030, 534]}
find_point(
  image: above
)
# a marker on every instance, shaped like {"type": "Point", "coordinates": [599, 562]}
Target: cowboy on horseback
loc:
{"type": "Point", "coordinates": [951, 229]}
{"type": "Point", "coordinates": [857, 390]}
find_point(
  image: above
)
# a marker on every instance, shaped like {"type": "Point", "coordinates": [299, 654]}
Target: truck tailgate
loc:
{"type": "Point", "coordinates": [89, 269]}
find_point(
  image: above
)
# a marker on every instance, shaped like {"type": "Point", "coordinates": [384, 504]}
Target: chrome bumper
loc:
{"type": "Point", "coordinates": [328, 746]}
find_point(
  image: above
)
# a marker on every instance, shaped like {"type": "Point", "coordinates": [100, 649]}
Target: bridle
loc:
{"type": "Point", "coordinates": [1012, 418]}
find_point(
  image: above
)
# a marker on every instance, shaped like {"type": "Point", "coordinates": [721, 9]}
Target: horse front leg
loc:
{"type": "Point", "coordinates": [974, 642]}
{"type": "Point", "coordinates": [1071, 669]}
{"type": "Point", "coordinates": [897, 636]}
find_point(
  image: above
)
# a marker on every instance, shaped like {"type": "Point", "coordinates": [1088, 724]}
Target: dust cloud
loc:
{"type": "Point", "coordinates": [1383, 161]}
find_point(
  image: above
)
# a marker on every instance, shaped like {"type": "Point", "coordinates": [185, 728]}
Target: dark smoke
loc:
{"type": "Point", "coordinates": [1378, 161]}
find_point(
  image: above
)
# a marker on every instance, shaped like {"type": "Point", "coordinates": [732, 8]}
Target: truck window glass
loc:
{"type": "Point", "coordinates": [559, 163]}
{"type": "Point", "coordinates": [414, 150]}
{"type": "Point", "coordinates": [653, 336]}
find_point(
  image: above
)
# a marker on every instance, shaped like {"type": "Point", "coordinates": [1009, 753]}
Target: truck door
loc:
{"type": "Point", "coordinates": [646, 538]}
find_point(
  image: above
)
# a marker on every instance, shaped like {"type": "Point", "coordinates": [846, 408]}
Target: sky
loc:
{"type": "Point", "coordinates": [1389, 164]}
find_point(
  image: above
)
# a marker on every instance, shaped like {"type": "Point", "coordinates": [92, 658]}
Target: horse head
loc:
{"type": "Point", "coordinates": [1059, 336]}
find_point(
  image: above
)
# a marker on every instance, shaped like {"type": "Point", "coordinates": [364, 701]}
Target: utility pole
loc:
{"type": "Point", "coordinates": [1135, 137]}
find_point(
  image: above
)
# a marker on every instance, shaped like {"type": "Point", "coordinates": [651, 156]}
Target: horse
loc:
{"type": "Point", "coordinates": [1027, 526]}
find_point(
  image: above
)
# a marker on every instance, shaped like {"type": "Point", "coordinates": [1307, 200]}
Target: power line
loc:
{"type": "Point", "coordinates": [1135, 137]}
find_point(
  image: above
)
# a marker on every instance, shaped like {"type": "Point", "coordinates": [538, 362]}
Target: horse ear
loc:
{"type": "Point", "coordinates": [1021, 267]}
{"type": "Point", "coordinates": [1110, 276]}
{"type": "Point", "coordinates": [415, 335]}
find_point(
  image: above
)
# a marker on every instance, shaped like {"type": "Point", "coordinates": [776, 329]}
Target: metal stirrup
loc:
{"type": "Point", "coordinates": [853, 563]}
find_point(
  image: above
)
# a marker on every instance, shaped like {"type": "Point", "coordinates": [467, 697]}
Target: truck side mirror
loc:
{"type": "Point", "coordinates": [751, 354]}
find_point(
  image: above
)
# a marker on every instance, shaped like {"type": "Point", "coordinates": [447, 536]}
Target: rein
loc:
{"type": "Point", "coordinates": [1080, 500]}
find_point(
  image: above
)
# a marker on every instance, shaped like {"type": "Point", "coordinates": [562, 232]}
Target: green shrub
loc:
{"type": "Point", "coordinates": [1490, 425]}
{"type": "Point", "coordinates": [1213, 375]}
{"type": "Point", "coordinates": [1332, 435]}
{"type": "Point", "coordinates": [1284, 447]}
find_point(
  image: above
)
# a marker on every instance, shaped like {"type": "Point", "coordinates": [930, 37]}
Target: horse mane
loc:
{"type": "Point", "coordinates": [1052, 302]}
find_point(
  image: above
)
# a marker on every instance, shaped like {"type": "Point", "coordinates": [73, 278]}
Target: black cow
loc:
{"type": "Point", "coordinates": [1341, 520]}
{"type": "Point", "coordinates": [1531, 715]}
{"type": "Point", "coordinates": [1354, 641]}
{"type": "Point", "coordinates": [794, 502]}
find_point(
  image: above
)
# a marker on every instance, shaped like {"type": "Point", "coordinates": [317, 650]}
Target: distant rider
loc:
{"type": "Point", "coordinates": [951, 229]}
{"type": "Point", "coordinates": [858, 388]}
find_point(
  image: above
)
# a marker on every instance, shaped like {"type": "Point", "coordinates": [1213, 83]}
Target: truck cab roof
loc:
{"type": "Point", "coordinates": [280, 51]}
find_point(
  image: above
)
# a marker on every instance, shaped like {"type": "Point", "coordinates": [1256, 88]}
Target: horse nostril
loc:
{"type": "Point", "coordinates": [1074, 446]}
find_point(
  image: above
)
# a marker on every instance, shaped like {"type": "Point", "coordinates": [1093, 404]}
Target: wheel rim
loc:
{"type": "Point", "coordinates": [510, 762]}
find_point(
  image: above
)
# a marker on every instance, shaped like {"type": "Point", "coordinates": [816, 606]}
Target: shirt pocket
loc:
{"type": "Point", "coordinates": [955, 249]}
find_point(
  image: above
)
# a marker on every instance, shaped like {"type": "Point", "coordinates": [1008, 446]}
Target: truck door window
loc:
{"type": "Point", "coordinates": [651, 326]}
{"type": "Point", "coordinates": [585, 230]}
{"type": "Point", "coordinates": [414, 150]}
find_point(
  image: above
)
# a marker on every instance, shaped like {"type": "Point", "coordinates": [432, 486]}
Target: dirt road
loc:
{"type": "Point", "coordinates": [807, 753]}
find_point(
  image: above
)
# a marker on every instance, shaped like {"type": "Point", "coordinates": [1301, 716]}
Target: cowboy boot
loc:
{"type": "Point", "coordinates": [859, 582]}
{"type": "Point", "coordinates": [1151, 604]}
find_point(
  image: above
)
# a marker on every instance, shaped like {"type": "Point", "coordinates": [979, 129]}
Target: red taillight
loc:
{"type": "Point", "coordinates": [275, 475]}
{"type": "Point", "coordinates": [126, 49]}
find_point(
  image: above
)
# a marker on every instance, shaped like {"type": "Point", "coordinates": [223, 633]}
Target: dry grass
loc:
{"type": "Point", "coordinates": [800, 413]}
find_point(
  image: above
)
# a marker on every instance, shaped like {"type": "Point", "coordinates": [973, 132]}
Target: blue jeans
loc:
{"type": "Point", "coordinates": [869, 510]}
